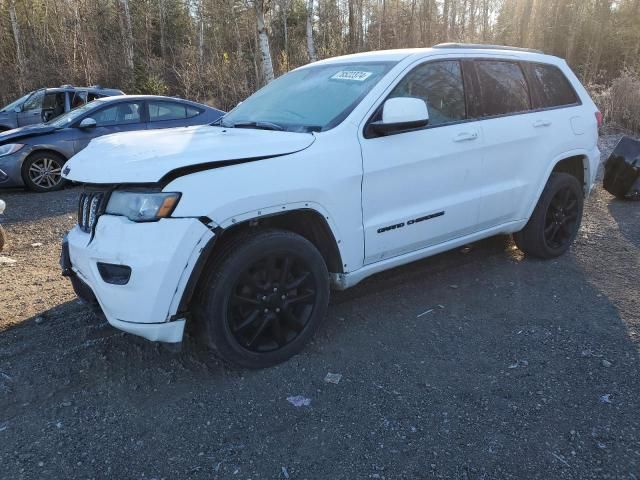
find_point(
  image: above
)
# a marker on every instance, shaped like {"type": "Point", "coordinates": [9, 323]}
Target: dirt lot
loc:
{"type": "Point", "coordinates": [523, 369]}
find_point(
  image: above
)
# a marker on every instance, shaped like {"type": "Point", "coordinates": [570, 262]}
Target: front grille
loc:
{"type": "Point", "coordinates": [90, 207]}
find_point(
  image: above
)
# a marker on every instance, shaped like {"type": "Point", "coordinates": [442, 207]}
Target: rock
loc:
{"type": "Point", "coordinates": [7, 260]}
{"type": "Point", "coordinates": [333, 378]}
{"type": "Point", "coordinates": [36, 244]}
{"type": "Point", "coordinates": [299, 401]}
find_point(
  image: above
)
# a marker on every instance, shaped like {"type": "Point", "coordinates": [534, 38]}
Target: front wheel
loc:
{"type": "Point", "coordinates": [555, 221]}
{"type": "Point", "coordinates": [263, 298]}
{"type": "Point", "coordinates": [42, 172]}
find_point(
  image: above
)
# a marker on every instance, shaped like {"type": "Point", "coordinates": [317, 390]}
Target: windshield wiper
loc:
{"type": "Point", "coordinates": [259, 125]}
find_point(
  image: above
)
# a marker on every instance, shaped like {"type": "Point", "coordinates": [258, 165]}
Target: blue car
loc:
{"type": "Point", "coordinates": [33, 156]}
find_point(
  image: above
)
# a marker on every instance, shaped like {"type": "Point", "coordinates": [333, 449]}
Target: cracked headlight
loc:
{"type": "Point", "coordinates": [142, 206]}
{"type": "Point", "coordinates": [10, 148]}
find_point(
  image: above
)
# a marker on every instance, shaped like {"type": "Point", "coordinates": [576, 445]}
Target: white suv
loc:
{"type": "Point", "coordinates": [331, 173]}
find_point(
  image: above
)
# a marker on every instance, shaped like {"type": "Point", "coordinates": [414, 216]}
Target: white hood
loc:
{"type": "Point", "coordinates": [146, 156]}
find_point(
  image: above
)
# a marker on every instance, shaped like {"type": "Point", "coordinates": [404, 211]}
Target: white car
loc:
{"type": "Point", "coordinates": [331, 173]}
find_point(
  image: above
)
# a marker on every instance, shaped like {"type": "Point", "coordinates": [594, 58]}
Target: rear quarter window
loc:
{"type": "Point", "coordinates": [552, 88]}
{"type": "Point", "coordinates": [502, 87]}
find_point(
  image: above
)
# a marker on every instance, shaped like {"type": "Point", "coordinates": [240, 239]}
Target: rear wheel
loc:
{"type": "Point", "coordinates": [264, 297]}
{"type": "Point", "coordinates": [555, 222]}
{"type": "Point", "coordinates": [42, 172]}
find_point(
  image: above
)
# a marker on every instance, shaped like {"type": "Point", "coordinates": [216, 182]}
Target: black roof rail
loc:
{"type": "Point", "coordinates": [99, 87]}
{"type": "Point", "coordinates": [480, 46]}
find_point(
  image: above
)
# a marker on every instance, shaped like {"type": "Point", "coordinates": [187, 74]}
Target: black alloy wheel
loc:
{"type": "Point", "coordinates": [272, 302]}
{"type": "Point", "coordinates": [561, 218]}
{"type": "Point", "coordinates": [555, 221]}
{"type": "Point", "coordinates": [261, 297]}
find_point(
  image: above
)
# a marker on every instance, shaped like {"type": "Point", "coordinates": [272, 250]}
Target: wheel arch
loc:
{"type": "Point", "coordinates": [40, 150]}
{"type": "Point", "coordinates": [305, 221]}
{"type": "Point", "coordinates": [576, 166]}
{"type": "Point", "coordinates": [575, 162]}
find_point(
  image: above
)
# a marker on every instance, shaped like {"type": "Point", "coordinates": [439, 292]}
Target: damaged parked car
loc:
{"type": "Point", "coordinates": [333, 172]}
{"type": "Point", "coordinates": [33, 156]}
{"type": "Point", "coordinates": [48, 103]}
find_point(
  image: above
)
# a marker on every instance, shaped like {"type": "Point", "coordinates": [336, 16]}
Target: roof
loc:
{"type": "Point", "coordinates": [401, 54]}
{"type": "Point", "coordinates": [144, 97]}
{"type": "Point", "coordinates": [95, 88]}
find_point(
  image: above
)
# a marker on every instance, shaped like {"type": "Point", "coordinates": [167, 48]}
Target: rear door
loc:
{"type": "Point", "coordinates": [168, 114]}
{"type": "Point", "coordinates": [513, 139]}
{"type": "Point", "coordinates": [558, 115]}
{"type": "Point", "coordinates": [420, 187]}
{"type": "Point", "coordinates": [113, 118]}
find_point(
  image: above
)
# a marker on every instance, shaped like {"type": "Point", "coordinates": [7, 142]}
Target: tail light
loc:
{"type": "Point", "coordinates": [599, 118]}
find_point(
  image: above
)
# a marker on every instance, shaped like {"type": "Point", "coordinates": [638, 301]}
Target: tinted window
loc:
{"type": "Point", "coordinates": [552, 87]}
{"type": "Point", "coordinates": [34, 102]}
{"type": "Point", "coordinates": [440, 85]}
{"type": "Point", "coordinates": [161, 111]}
{"type": "Point", "coordinates": [503, 89]}
{"type": "Point", "coordinates": [120, 114]}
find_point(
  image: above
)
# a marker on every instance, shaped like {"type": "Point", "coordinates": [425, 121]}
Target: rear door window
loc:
{"type": "Point", "coordinates": [440, 85]}
{"type": "Point", "coordinates": [163, 111]}
{"type": "Point", "coordinates": [502, 87]}
{"type": "Point", "coordinates": [551, 87]}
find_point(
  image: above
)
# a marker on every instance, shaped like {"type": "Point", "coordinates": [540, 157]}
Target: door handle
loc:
{"type": "Point", "coordinates": [541, 123]}
{"type": "Point", "coordinates": [465, 136]}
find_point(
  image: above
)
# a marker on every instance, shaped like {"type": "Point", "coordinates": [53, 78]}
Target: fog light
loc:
{"type": "Point", "coordinates": [114, 274]}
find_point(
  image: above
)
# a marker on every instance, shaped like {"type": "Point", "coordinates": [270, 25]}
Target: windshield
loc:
{"type": "Point", "coordinates": [311, 99]}
{"type": "Point", "coordinates": [66, 119]}
{"type": "Point", "coordinates": [17, 103]}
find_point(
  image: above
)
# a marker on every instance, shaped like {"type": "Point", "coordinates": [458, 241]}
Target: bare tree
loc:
{"type": "Point", "coordinates": [311, 48]}
{"type": "Point", "coordinates": [127, 36]}
{"type": "Point", "coordinates": [263, 42]}
{"type": "Point", "coordinates": [15, 27]}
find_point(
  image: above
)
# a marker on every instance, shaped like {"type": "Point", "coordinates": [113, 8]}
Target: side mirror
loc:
{"type": "Point", "coordinates": [18, 109]}
{"type": "Point", "coordinates": [401, 114]}
{"type": "Point", "coordinates": [88, 123]}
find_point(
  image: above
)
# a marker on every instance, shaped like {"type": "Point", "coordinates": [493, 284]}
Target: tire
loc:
{"type": "Point", "coordinates": [555, 221]}
{"type": "Point", "coordinates": [42, 172]}
{"type": "Point", "coordinates": [244, 309]}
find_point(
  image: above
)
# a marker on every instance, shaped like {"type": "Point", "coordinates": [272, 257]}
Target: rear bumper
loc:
{"type": "Point", "coordinates": [161, 256]}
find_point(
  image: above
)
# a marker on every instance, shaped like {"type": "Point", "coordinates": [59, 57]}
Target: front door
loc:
{"type": "Point", "coordinates": [31, 111]}
{"type": "Point", "coordinates": [421, 188]}
{"type": "Point", "coordinates": [119, 117]}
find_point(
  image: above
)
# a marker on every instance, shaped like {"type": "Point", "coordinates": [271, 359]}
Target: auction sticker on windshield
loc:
{"type": "Point", "coordinates": [352, 75]}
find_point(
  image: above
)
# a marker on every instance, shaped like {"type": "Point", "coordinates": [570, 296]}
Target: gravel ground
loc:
{"type": "Point", "coordinates": [520, 369]}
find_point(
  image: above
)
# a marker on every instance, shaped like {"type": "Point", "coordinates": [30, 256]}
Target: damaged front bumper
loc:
{"type": "Point", "coordinates": [159, 257]}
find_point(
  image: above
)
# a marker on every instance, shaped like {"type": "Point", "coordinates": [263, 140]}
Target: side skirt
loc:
{"type": "Point", "coordinates": [342, 281]}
